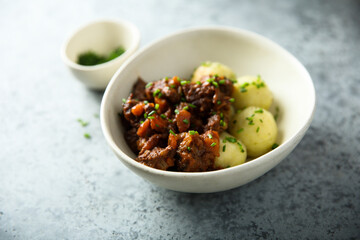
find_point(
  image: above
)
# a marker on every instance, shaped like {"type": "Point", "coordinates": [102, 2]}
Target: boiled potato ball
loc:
{"type": "Point", "coordinates": [256, 128]}
{"type": "Point", "coordinates": [232, 151]}
{"type": "Point", "coordinates": [212, 68]}
{"type": "Point", "coordinates": [252, 91]}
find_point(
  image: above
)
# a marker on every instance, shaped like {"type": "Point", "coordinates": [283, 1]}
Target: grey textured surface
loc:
{"type": "Point", "coordinates": [55, 184]}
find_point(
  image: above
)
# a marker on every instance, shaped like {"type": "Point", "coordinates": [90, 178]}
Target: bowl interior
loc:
{"type": "Point", "coordinates": [101, 37]}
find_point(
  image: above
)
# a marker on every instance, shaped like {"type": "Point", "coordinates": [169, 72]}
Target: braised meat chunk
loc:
{"type": "Point", "coordinates": [172, 124]}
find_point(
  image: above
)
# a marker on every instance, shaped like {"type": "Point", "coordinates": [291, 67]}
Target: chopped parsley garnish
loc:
{"type": "Point", "coordinates": [215, 84]}
{"type": "Point", "coordinates": [83, 123]}
{"type": "Point", "coordinates": [91, 58]}
{"type": "Point", "coordinates": [152, 112]}
{"type": "Point", "coordinates": [183, 82]}
{"type": "Point", "coordinates": [221, 115]}
{"type": "Point", "coordinates": [259, 111]}
{"type": "Point", "coordinates": [145, 115]}
{"type": "Point", "coordinates": [176, 111]}
{"type": "Point", "coordinates": [172, 86]}
{"type": "Point", "coordinates": [218, 102]}
{"type": "Point", "coordinates": [231, 139]}
{"type": "Point", "coordinates": [157, 106]}
{"type": "Point", "coordinates": [124, 100]}
{"type": "Point", "coordinates": [260, 120]}
{"type": "Point", "coordinates": [240, 130]}
{"type": "Point", "coordinates": [156, 92]}
{"type": "Point", "coordinates": [189, 149]}
{"type": "Point", "coordinates": [157, 125]}
{"type": "Point", "coordinates": [163, 116]}
{"type": "Point", "coordinates": [87, 135]}
{"type": "Point", "coordinates": [186, 108]}
{"type": "Point", "coordinates": [149, 85]}
{"type": "Point", "coordinates": [198, 82]}
{"type": "Point", "coordinates": [151, 117]}
{"type": "Point", "coordinates": [186, 121]}
{"type": "Point", "coordinates": [258, 128]}
{"type": "Point", "coordinates": [192, 105]}
{"type": "Point", "coordinates": [275, 145]}
{"type": "Point", "coordinates": [146, 102]}
{"type": "Point", "coordinates": [213, 144]}
{"type": "Point", "coordinates": [222, 123]}
{"type": "Point", "coordinates": [233, 81]}
{"type": "Point", "coordinates": [141, 121]}
{"type": "Point", "coordinates": [232, 100]}
{"type": "Point", "coordinates": [172, 132]}
{"type": "Point", "coordinates": [192, 132]}
{"type": "Point", "coordinates": [171, 121]}
{"type": "Point", "coordinates": [241, 147]}
{"type": "Point", "coordinates": [224, 148]}
{"type": "Point", "coordinates": [210, 136]}
{"type": "Point", "coordinates": [222, 81]}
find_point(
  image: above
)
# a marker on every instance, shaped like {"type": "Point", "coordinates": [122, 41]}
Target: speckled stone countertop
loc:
{"type": "Point", "coordinates": [56, 184]}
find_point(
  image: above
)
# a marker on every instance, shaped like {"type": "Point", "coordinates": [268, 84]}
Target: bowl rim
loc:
{"type": "Point", "coordinates": [243, 167]}
{"type": "Point", "coordinates": [131, 27]}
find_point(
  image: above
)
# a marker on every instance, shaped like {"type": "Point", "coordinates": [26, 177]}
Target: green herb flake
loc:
{"type": "Point", "coordinates": [240, 130]}
{"type": "Point", "coordinates": [186, 121]}
{"type": "Point", "coordinates": [151, 117]}
{"type": "Point", "coordinates": [192, 132]}
{"type": "Point", "coordinates": [172, 132]}
{"type": "Point", "coordinates": [176, 111]}
{"type": "Point", "coordinates": [146, 102]}
{"type": "Point", "coordinates": [231, 139]}
{"type": "Point", "coordinates": [222, 123]}
{"type": "Point", "coordinates": [145, 115]}
{"type": "Point", "coordinates": [210, 136]}
{"type": "Point", "coordinates": [156, 92]}
{"type": "Point", "coordinates": [170, 121]}
{"type": "Point", "coordinates": [275, 145]}
{"type": "Point", "coordinates": [152, 112]}
{"type": "Point", "coordinates": [83, 123]}
{"type": "Point", "coordinates": [162, 116]}
{"type": "Point", "coordinates": [232, 100]}
{"type": "Point", "coordinates": [157, 125]}
{"type": "Point", "coordinates": [258, 128]}
{"type": "Point", "coordinates": [189, 149]}
{"type": "Point", "coordinates": [222, 81]}
{"type": "Point", "coordinates": [224, 148]}
{"type": "Point", "coordinates": [198, 82]}
{"type": "Point", "coordinates": [218, 102]}
{"type": "Point", "coordinates": [124, 100]}
{"type": "Point", "coordinates": [149, 85]}
{"type": "Point", "coordinates": [172, 86]}
{"type": "Point", "coordinates": [243, 90]}
{"type": "Point", "coordinates": [87, 135]}
{"type": "Point", "coordinates": [183, 82]}
{"type": "Point", "coordinates": [186, 108]}
{"type": "Point", "coordinates": [215, 84]}
{"type": "Point", "coordinates": [192, 105]}
{"type": "Point", "coordinates": [213, 144]}
{"type": "Point", "coordinates": [259, 110]}
{"type": "Point", "coordinates": [233, 81]}
{"type": "Point", "coordinates": [241, 147]}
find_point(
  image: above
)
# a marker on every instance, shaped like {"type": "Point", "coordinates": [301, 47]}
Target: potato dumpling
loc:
{"type": "Point", "coordinates": [252, 91]}
{"type": "Point", "coordinates": [212, 68]}
{"type": "Point", "coordinates": [256, 128]}
{"type": "Point", "coordinates": [232, 151]}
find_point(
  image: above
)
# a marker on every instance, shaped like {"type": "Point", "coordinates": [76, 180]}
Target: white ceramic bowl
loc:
{"type": "Point", "coordinates": [101, 37]}
{"type": "Point", "coordinates": [246, 53]}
